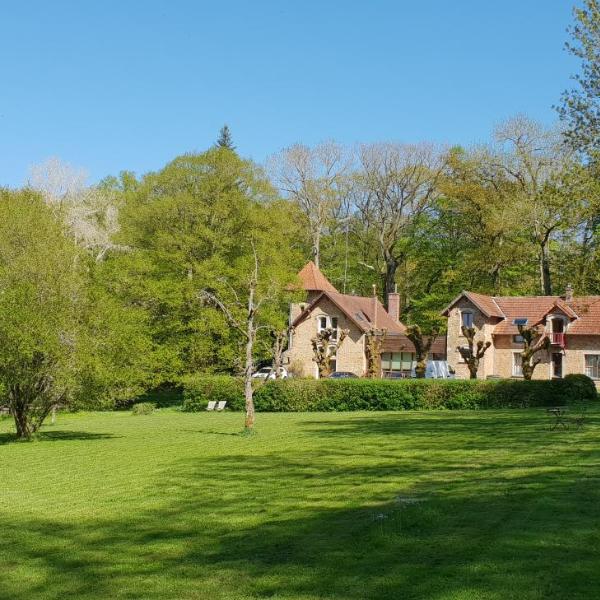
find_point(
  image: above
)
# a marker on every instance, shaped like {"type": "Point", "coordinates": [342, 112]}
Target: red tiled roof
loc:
{"type": "Point", "coordinates": [400, 343]}
{"type": "Point", "coordinates": [360, 310]}
{"type": "Point", "coordinates": [583, 312]}
{"type": "Point", "coordinates": [313, 280]}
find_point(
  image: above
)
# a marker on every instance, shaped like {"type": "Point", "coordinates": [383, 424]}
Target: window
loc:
{"type": "Point", "coordinates": [592, 365]}
{"type": "Point", "coordinates": [466, 319]}
{"type": "Point", "coordinates": [518, 339]}
{"type": "Point", "coordinates": [322, 324]}
{"type": "Point", "coordinates": [556, 365]}
{"type": "Point", "coordinates": [334, 326]}
{"type": "Point", "coordinates": [517, 366]}
{"type": "Point", "coordinates": [396, 362]}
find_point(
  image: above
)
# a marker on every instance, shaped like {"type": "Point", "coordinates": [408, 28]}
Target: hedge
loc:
{"type": "Point", "coordinates": [297, 395]}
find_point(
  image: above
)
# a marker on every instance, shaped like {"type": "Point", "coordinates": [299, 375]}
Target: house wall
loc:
{"type": "Point", "coordinates": [455, 338]}
{"type": "Point", "coordinates": [504, 350]}
{"type": "Point", "coordinates": [350, 355]}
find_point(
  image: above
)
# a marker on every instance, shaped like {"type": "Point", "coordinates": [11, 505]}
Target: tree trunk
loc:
{"type": "Point", "coordinates": [248, 392]}
{"type": "Point", "coordinates": [421, 368]}
{"type": "Point", "coordinates": [316, 249]}
{"type": "Point", "coordinates": [389, 279]}
{"type": "Point", "coordinates": [545, 277]}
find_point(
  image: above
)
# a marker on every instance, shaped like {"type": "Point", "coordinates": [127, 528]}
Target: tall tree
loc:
{"type": "Point", "coordinates": [314, 179]}
{"type": "Point", "coordinates": [580, 107]}
{"type": "Point", "coordinates": [395, 186]}
{"type": "Point", "coordinates": [545, 174]}
{"type": "Point", "coordinates": [225, 140]}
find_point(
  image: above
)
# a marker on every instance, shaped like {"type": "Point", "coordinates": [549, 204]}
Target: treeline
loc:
{"type": "Point", "coordinates": [110, 290]}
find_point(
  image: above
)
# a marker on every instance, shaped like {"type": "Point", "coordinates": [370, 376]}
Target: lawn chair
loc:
{"type": "Point", "coordinates": [211, 405]}
{"type": "Point", "coordinates": [221, 405]}
{"type": "Point", "coordinates": [579, 418]}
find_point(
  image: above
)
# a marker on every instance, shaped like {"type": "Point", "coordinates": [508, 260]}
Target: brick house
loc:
{"type": "Point", "coordinates": [325, 307]}
{"type": "Point", "coordinates": [572, 325]}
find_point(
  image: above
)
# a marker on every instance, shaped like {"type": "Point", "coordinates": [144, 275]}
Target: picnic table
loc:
{"type": "Point", "coordinates": [560, 417]}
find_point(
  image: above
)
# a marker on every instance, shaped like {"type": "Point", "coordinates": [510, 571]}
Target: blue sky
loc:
{"type": "Point", "coordinates": [129, 85]}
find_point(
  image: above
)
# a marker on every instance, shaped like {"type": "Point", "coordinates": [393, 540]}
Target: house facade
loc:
{"type": "Point", "coordinates": [325, 308]}
{"type": "Point", "coordinates": [572, 325]}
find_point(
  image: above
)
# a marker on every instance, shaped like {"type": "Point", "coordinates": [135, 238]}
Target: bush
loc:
{"type": "Point", "coordinates": [302, 395]}
{"type": "Point", "coordinates": [143, 408]}
{"type": "Point", "coordinates": [198, 390]}
{"type": "Point", "coordinates": [414, 394]}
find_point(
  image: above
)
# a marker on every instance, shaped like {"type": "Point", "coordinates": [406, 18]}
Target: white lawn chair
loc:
{"type": "Point", "coordinates": [211, 405]}
{"type": "Point", "coordinates": [221, 405]}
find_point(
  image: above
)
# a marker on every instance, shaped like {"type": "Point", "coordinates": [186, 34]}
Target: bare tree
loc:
{"type": "Point", "coordinates": [534, 341]}
{"type": "Point", "coordinates": [422, 346]}
{"type": "Point", "coordinates": [395, 185]}
{"type": "Point", "coordinates": [248, 327]}
{"type": "Point", "coordinates": [91, 213]}
{"type": "Point", "coordinates": [314, 178]}
{"type": "Point", "coordinates": [472, 353]}
{"type": "Point", "coordinates": [280, 339]}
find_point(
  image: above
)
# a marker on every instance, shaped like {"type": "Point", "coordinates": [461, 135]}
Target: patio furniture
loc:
{"type": "Point", "coordinates": [578, 419]}
{"type": "Point", "coordinates": [211, 405]}
{"type": "Point", "coordinates": [560, 417]}
{"type": "Point", "coordinates": [221, 405]}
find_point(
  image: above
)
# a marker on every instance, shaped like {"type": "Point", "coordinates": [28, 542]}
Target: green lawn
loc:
{"type": "Point", "coordinates": [431, 505]}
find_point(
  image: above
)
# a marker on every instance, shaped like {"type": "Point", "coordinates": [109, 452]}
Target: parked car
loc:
{"type": "Point", "coordinates": [269, 373]}
{"type": "Point", "coordinates": [342, 375]}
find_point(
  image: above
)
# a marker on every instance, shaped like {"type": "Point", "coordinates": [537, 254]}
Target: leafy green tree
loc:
{"type": "Point", "coordinates": [580, 108]}
{"type": "Point", "coordinates": [41, 295]}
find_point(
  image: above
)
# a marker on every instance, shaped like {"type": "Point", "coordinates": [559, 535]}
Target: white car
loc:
{"type": "Point", "coordinates": [269, 373]}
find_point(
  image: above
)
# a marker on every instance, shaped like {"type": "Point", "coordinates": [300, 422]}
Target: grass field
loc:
{"type": "Point", "coordinates": [439, 505]}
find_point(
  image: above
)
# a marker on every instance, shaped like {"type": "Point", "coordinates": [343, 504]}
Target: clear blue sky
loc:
{"type": "Point", "coordinates": [129, 85]}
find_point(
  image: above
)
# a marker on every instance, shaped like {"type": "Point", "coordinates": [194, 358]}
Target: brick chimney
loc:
{"type": "Point", "coordinates": [393, 302]}
{"type": "Point", "coordinates": [569, 294]}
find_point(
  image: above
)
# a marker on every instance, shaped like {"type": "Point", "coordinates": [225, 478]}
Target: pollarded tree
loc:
{"type": "Point", "coordinates": [422, 344]}
{"type": "Point", "coordinates": [373, 345]}
{"type": "Point", "coordinates": [41, 296]}
{"type": "Point", "coordinates": [534, 341]}
{"type": "Point", "coordinates": [325, 346]}
{"type": "Point", "coordinates": [472, 353]}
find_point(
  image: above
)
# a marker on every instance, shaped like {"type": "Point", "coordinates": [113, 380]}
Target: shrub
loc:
{"type": "Point", "coordinates": [143, 408]}
{"type": "Point", "coordinates": [302, 395]}
{"type": "Point", "coordinates": [412, 394]}
{"type": "Point", "coordinates": [198, 390]}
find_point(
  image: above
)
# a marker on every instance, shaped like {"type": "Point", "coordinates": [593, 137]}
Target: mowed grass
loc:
{"type": "Point", "coordinates": [429, 505]}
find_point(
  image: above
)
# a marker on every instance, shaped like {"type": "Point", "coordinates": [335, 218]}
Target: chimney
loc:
{"type": "Point", "coordinates": [569, 294]}
{"type": "Point", "coordinates": [393, 303]}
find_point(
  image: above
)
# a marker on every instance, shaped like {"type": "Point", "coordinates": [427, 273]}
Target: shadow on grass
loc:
{"type": "Point", "coordinates": [244, 526]}
{"type": "Point", "coordinates": [56, 436]}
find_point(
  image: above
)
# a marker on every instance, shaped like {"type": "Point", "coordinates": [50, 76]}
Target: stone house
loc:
{"type": "Point", "coordinates": [572, 324]}
{"type": "Point", "coordinates": [325, 307]}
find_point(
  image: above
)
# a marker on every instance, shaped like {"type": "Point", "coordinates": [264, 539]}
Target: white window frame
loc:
{"type": "Point", "coordinates": [328, 325]}
{"type": "Point", "coordinates": [465, 311]}
{"type": "Point", "coordinates": [585, 355]}
{"type": "Point", "coordinates": [514, 365]}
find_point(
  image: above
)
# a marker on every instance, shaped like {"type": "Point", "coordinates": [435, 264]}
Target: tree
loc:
{"type": "Point", "coordinates": [534, 341]}
{"type": "Point", "coordinates": [280, 340]}
{"type": "Point", "coordinates": [422, 346]}
{"type": "Point", "coordinates": [41, 296]}
{"type": "Point", "coordinates": [580, 108]}
{"type": "Point", "coordinates": [315, 180]}
{"type": "Point", "coordinates": [225, 140]}
{"type": "Point", "coordinates": [373, 345]}
{"type": "Point", "coordinates": [546, 178]}
{"type": "Point", "coordinates": [472, 354]}
{"type": "Point", "coordinates": [325, 346]}
{"type": "Point", "coordinates": [395, 186]}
